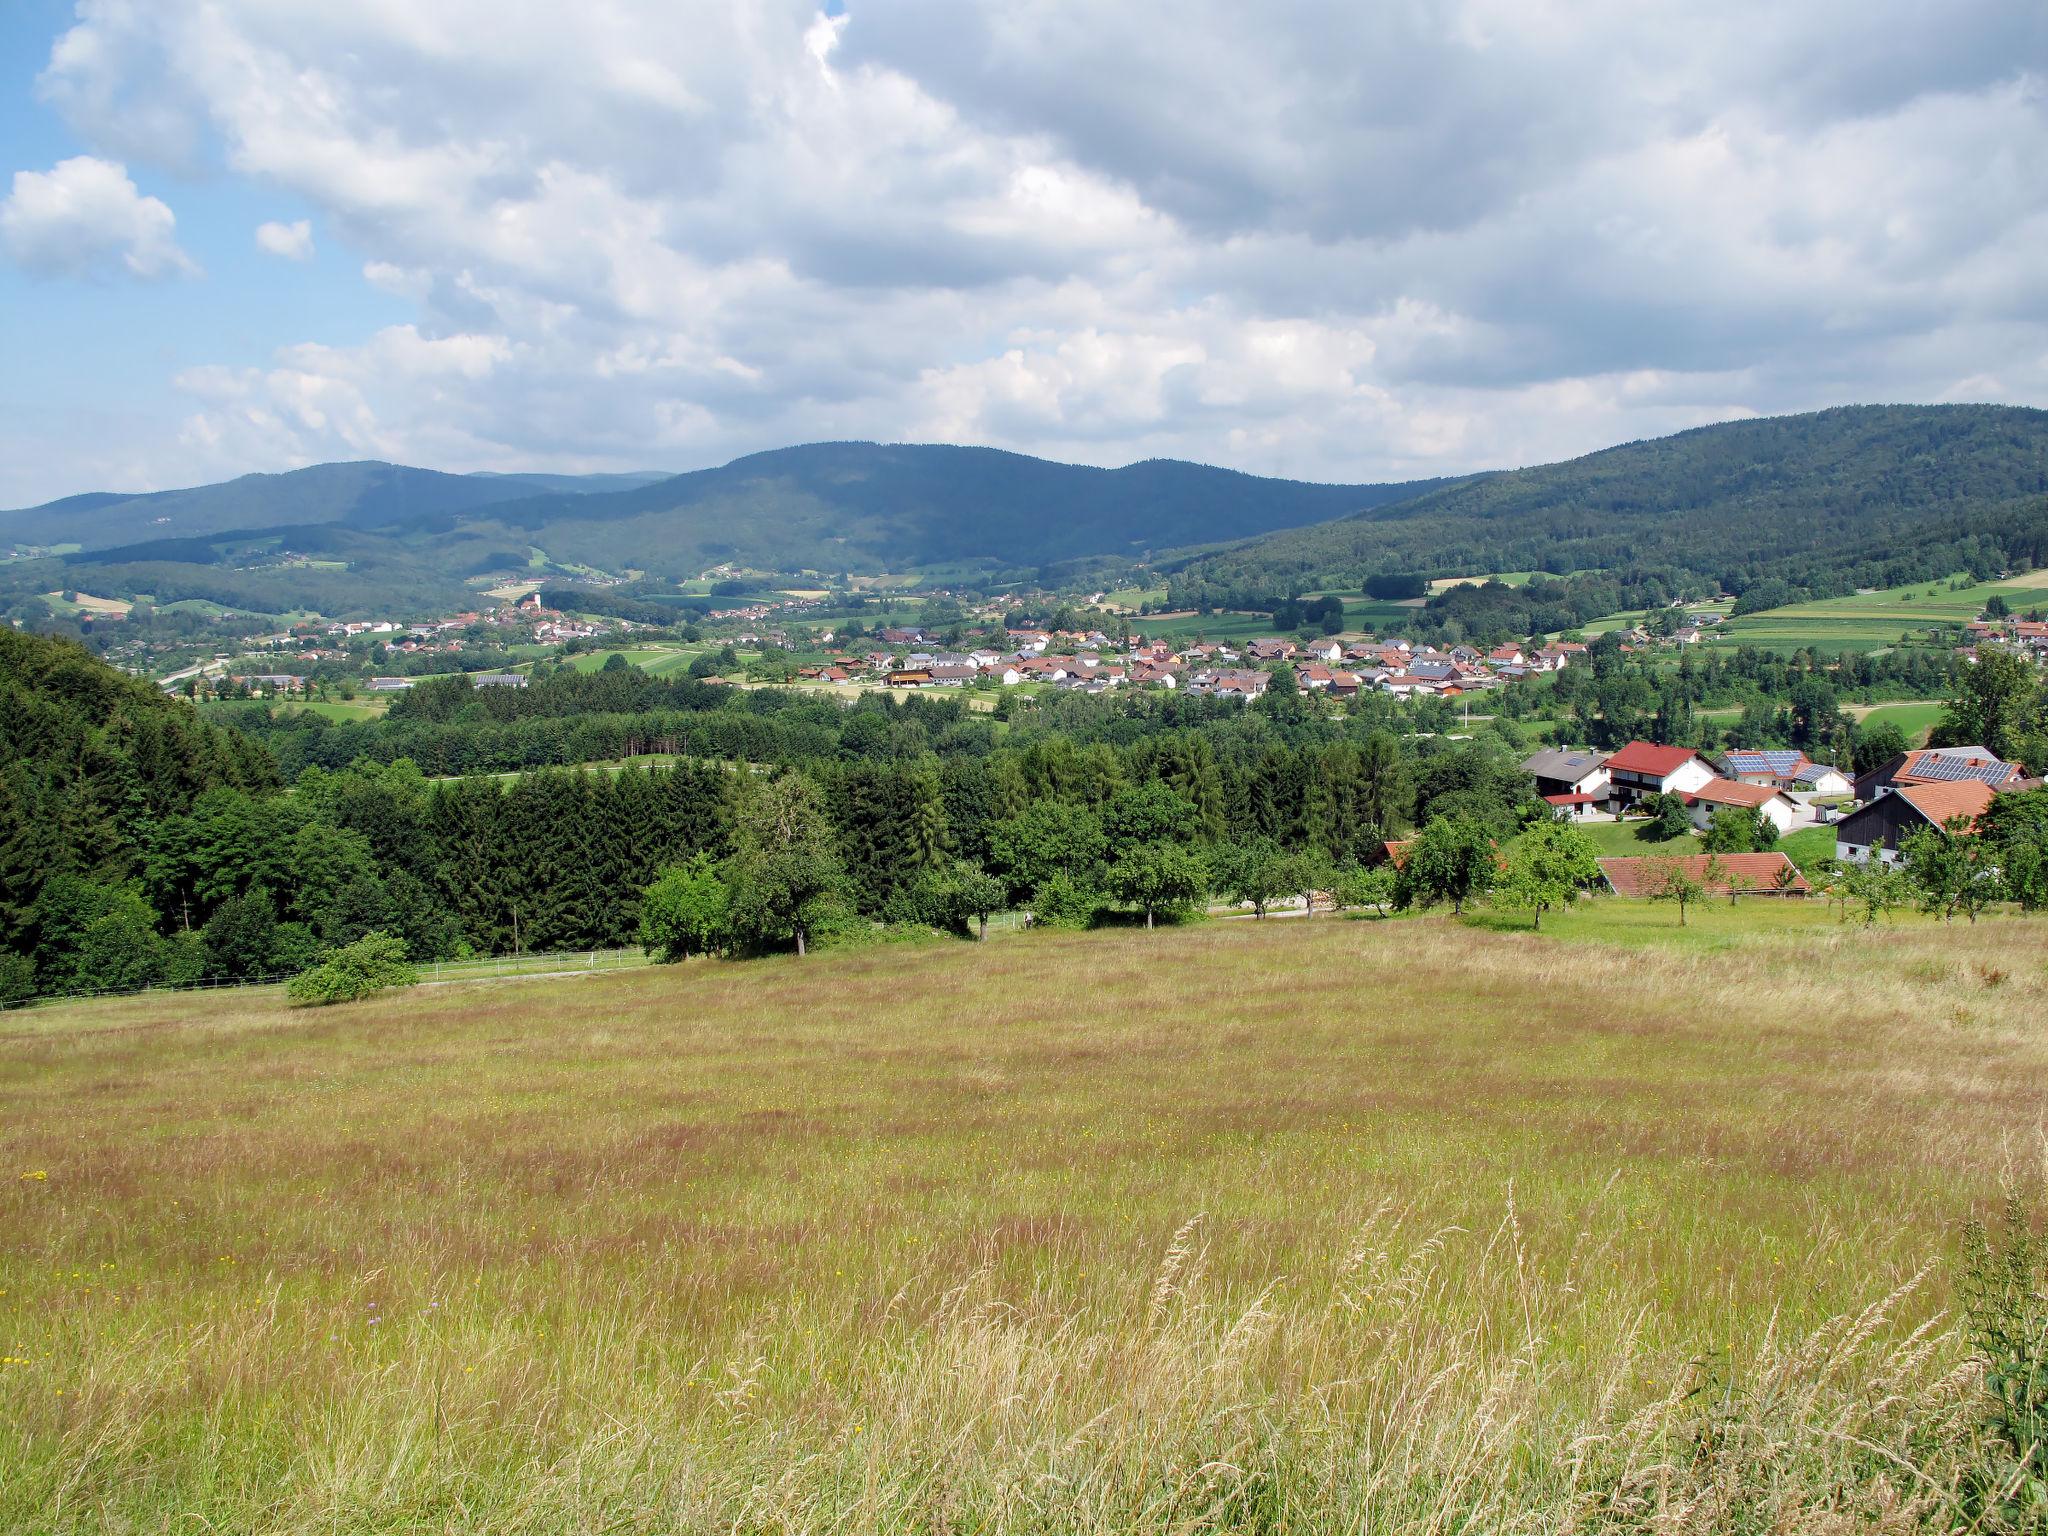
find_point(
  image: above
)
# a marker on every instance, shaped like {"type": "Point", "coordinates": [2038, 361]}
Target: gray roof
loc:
{"type": "Point", "coordinates": [1563, 763]}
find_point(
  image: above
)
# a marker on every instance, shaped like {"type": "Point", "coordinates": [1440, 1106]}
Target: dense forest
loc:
{"type": "Point", "coordinates": [1784, 507]}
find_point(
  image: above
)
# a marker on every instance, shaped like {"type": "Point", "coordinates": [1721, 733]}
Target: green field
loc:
{"type": "Point", "coordinates": [658, 660]}
{"type": "Point", "coordinates": [1505, 578]}
{"type": "Point", "coordinates": [339, 710]}
{"type": "Point", "coordinates": [1915, 719]}
{"type": "Point", "coordinates": [1869, 621]}
{"type": "Point", "coordinates": [1362, 615]}
{"type": "Point", "coordinates": [1284, 1227]}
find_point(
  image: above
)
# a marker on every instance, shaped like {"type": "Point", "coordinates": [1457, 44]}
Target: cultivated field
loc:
{"type": "Point", "coordinates": [1284, 1226]}
{"type": "Point", "coordinates": [1869, 621]}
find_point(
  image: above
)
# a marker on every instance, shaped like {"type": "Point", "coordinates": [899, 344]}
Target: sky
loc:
{"type": "Point", "coordinates": [1334, 241]}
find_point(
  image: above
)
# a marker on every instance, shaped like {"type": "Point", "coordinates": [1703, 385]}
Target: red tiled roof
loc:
{"type": "Point", "coordinates": [1572, 799]}
{"type": "Point", "coordinates": [1743, 871]}
{"type": "Point", "coordinates": [1939, 803]}
{"type": "Point", "coordinates": [1647, 757]}
{"type": "Point", "coordinates": [1748, 797]}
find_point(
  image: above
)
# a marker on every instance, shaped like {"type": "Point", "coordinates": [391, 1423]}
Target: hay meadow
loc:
{"type": "Point", "coordinates": [1337, 1225]}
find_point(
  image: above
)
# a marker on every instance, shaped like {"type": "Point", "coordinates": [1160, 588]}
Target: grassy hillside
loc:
{"type": "Point", "coordinates": [1098, 1233]}
{"type": "Point", "coordinates": [1843, 497]}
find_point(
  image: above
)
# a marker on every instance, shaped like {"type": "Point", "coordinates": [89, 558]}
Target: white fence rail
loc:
{"type": "Point", "coordinates": [485, 968]}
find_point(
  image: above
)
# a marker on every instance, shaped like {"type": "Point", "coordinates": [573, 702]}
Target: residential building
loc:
{"type": "Point", "coordinates": [1568, 771]}
{"type": "Point", "coordinates": [1645, 768]}
{"type": "Point", "coordinates": [1752, 799]}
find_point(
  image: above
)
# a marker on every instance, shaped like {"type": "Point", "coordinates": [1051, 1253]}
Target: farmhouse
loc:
{"type": "Point", "coordinates": [1761, 874]}
{"type": "Point", "coordinates": [1644, 768]}
{"type": "Point", "coordinates": [1879, 827]}
{"type": "Point", "coordinates": [1938, 765]}
{"type": "Point", "coordinates": [1755, 799]}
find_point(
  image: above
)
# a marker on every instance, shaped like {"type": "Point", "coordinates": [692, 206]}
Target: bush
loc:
{"type": "Point", "coordinates": [1063, 902]}
{"type": "Point", "coordinates": [372, 963]}
{"type": "Point", "coordinates": [17, 979]}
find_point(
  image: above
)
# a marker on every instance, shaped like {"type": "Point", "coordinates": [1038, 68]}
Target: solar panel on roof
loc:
{"type": "Point", "coordinates": [1955, 770]}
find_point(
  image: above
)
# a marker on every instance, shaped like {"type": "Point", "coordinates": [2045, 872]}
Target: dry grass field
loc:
{"type": "Point", "coordinates": [1283, 1226]}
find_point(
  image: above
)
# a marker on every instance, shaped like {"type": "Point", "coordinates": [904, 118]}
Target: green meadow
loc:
{"type": "Point", "coordinates": [1283, 1226]}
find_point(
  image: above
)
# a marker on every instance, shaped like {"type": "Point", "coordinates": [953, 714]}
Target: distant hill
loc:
{"type": "Point", "coordinates": [411, 536]}
{"type": "Point", "coordinates": [1805, 505]}
{"type": "Point", "coordinates": [1825, 502]}
{"type": "Point", "coordinates": [871, 506]}
{"type": "Point", "coordinates": [368, 494]}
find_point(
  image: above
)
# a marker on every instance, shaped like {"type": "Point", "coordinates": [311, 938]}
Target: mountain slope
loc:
{"type": "Point", "coordinates": [411, 537]}
{"type": "Point", "coordinates": [368, 494]}
{"type": "Point", "coordinates": [1825, 501]}
{"type": "Point", "coordinates": [870, 506]}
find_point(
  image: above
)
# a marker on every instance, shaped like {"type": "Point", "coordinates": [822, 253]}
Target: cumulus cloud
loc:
{"type": "Point", "coordinates": [1307, 238]}
{"type": "Point", "coordinates": [293, 241]}
{"type": "Point", "coordinates": [83, 217]}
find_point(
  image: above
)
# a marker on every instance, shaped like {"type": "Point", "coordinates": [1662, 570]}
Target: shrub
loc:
{"type": "Point", "coordinates": [1063, 902]}
{"type": "Point", "coordinates": [372, 963]}
{"type": "Point", "coordinates": [2005, 1294]}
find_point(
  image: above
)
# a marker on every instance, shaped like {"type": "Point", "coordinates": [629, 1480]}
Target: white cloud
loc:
{"type": "Point", "coordinates": [83, 217]}
{"type": "Point", "coordinates": [293, 241]}
{"type": "Point", "coordinates": [1337, 241]}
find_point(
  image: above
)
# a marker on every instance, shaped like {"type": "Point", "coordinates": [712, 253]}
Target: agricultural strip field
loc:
{"type": "Point", "coordinates": [1869, 621]}
{"type": "Point", "coordinates": [1287, 1226]}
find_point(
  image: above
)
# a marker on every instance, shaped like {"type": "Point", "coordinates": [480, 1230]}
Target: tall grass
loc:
{"type": "Point", "coordinates": [1278, 1227]}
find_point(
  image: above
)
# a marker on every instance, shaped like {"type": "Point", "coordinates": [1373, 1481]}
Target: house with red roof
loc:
{"type": "Point", "coordinates": [1645, 768]}
{"type": "Point", "coordinates": [1751, 799]}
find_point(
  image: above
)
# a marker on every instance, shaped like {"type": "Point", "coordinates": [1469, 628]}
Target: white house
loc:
{"type": "Point", "coordinates": [1644, 768]}
{"type": "Point", "coordinates": [1751, 799]}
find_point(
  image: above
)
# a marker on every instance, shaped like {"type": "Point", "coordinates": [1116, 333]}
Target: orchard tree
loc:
{"type": "Point", "coordinates": [784, 879]}
{"type": "Point", "coordinates": [685, 911]}
{"type": "Point", "coordinates": [1355, 885]}
{"type": "Point", "coordinates": [1452, 860]}
{"type": "Point", "coordinates": [1159, 877]}
{"type": "Point", "coordinates": [1877, 887]}
{"type": "Point", "coordinates": [981, 894]}
{"type": "Point", "coordinates": [1547, 867]}
{"type": "Point", "coordinates": [1673, 881]}
{"type": "Point", "coordinates": [1303, 873]}
{"type": "Point", "coordinates": [1252, 873]}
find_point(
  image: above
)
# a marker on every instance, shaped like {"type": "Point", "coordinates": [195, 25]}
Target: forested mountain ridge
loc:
{"type": "Point", "coordinates": [822, 506]}
{"type": "Point", "coordinates": [871, 506]}
{"type": "Point", "coordinates": [1774, 509]}
{"type": "Point", "coordinates": [365, 494]}
{"type": "Point", "coordinates": [1824, 503]}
